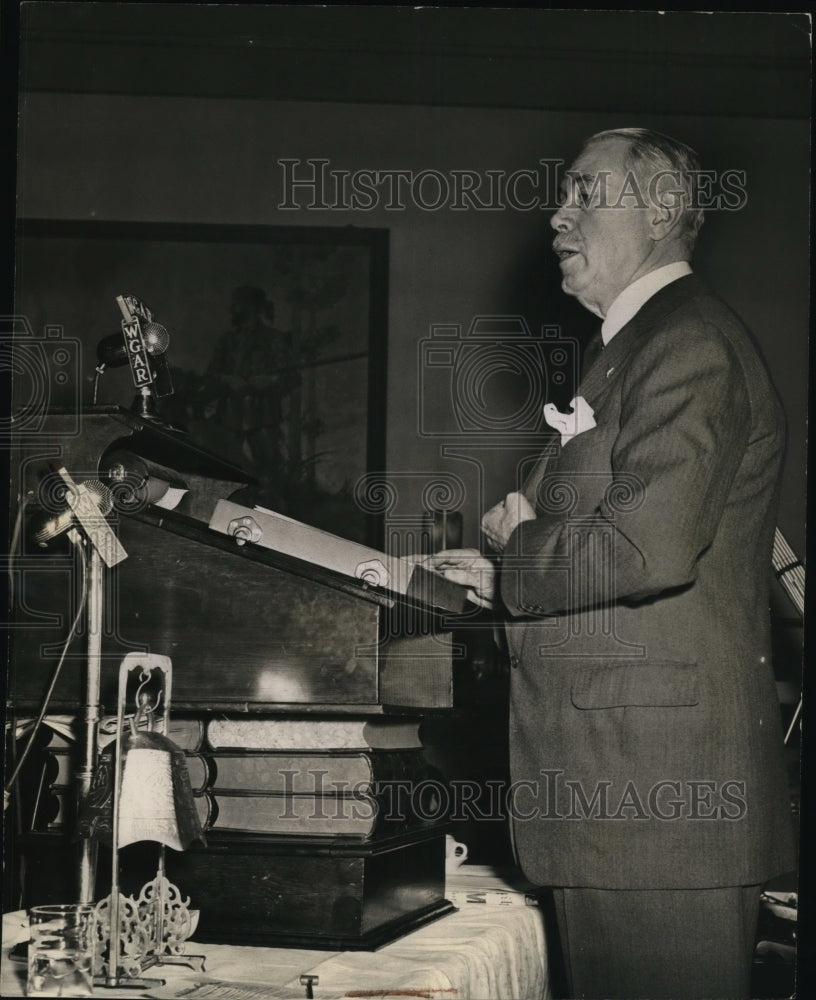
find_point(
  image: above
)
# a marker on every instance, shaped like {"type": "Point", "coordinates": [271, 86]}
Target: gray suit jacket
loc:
{"type": "Point", "coordinates": [646, 747]}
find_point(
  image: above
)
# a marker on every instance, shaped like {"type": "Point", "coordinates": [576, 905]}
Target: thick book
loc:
{"type": "Point", "coordinates": [54, 731]}
{"type": "Point", "coordinates": [60, 765]}
{"type": "Point", "coordinates": [55, 809]}
{"type": "Point", "coordinates": [55, 803]}
{"type": "Point", "coordinates": [201, 771]}
{"type": "Point", "coordinates": [313, 734]}
{"type": "Point", "coordinates": [48, 777]}
{"type": "Point", "coordinates": [187, 734]}
{"type": "Point", "coordinates": [395, 809]}
{"type": "Point", "coordinates": [316, 773]}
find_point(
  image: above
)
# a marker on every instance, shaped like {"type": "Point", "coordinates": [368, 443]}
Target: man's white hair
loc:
{"type": "Point", "coordinates": [649, 149]}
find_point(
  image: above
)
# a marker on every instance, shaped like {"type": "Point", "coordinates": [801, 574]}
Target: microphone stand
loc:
{"type": "Point", "coordinates": [155, 942]}
{"type": "Point", "coordinates": [105, 549]}
{"type": "Point", "coordinates": [144, 403]}
{"type": "Point", "coordinates": [88, 850]}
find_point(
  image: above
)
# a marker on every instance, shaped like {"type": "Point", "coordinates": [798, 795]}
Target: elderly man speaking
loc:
{"type": "Point", "coordinates": [646, 745]}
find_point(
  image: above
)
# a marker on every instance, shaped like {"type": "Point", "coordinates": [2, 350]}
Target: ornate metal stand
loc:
{"type": "Point", "coordinates": [136, 934]}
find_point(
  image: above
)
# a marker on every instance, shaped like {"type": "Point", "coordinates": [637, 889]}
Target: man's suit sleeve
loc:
{"type": "Point", "coordinates": [684, 426]}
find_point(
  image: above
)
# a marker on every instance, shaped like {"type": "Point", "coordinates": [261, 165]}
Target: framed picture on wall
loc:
{"type": "Point", "coordinates": [277, 343]}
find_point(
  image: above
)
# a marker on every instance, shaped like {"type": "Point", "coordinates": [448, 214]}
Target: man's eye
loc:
{"type": "Point", "coordinates": [576, 197]}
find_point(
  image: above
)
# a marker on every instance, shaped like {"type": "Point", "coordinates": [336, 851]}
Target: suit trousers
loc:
{"type": "Point", "coordinates": [672, 943]}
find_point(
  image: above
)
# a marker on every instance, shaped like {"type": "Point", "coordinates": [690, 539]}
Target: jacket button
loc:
{"type": "Point", "coordinates": [514, 662]}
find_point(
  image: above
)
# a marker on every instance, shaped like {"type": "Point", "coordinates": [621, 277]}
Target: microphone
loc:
{"type": "Point", "coordinates": [156, 338]}
{"type": "Point", "coordinates": [45, 526]}
{"type": "Point", "coordinates": [144, 349]}
{"type": "Point", "coordinates": [135, 482]}
{"type": "Point", "coordinates": [142, 345]}
{"type": "Point", "coordinates": [112, 351]}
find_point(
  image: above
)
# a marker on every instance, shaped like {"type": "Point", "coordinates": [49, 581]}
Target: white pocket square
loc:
{"type": "Point", "coordinates": [569, 425]}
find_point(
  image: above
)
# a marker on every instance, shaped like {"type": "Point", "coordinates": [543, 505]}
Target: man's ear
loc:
{"type": "Point", "coordinates": [666, 204]}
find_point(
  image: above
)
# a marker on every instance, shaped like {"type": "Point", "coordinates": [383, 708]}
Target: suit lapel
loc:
{"type": "Point", "coordinates": [530, 486]}
{"type": "Point", "coordinates": [611, 361]}
{"type": "Point", "coordinates": [604, 365]}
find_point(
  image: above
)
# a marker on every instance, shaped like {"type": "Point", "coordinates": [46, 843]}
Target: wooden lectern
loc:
{"type": "Point", "coordinates": [252, 634]}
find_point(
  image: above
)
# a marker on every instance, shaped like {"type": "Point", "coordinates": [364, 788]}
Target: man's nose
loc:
{"type": "Point", "coordinates": [560, 221]}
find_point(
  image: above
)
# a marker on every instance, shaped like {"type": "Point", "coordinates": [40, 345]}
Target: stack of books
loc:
{"type": "Point", "coordinates": [48, 779]}
{"type": "Point", "coordinates": [313, 778]}
{"type": "Point", "coordinates": [321, 831]}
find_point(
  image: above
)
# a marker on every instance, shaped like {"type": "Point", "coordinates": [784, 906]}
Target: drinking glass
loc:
{"type": "Point", "coordinates": [60, 952]}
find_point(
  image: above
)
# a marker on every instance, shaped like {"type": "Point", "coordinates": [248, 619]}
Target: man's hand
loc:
{"type": "Point", "coordinates": [501, 521]}
{"type": "Point", "coordinates": [469, 568]}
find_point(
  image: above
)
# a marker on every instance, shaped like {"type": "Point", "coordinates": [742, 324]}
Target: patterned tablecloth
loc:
{"type": "Point", "coordinates": [476, 953]}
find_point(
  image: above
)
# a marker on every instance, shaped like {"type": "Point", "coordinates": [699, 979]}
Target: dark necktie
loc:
{"type": "Point", "coordinates": [592, 352]}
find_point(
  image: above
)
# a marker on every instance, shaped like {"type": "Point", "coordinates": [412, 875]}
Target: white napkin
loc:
{"type": "Point", "coordinates": [570, 425]}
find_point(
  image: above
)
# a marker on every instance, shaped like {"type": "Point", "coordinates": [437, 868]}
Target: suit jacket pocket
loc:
{"type": "Point", "coordinates": [655, 683]}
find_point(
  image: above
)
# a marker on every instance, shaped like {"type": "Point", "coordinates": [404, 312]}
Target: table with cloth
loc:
{"type": "Point", "coordinates": [475, 953]}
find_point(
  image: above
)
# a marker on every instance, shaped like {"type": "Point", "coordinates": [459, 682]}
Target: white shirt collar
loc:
{"type": "Point", "coordinates": [635, 295]}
